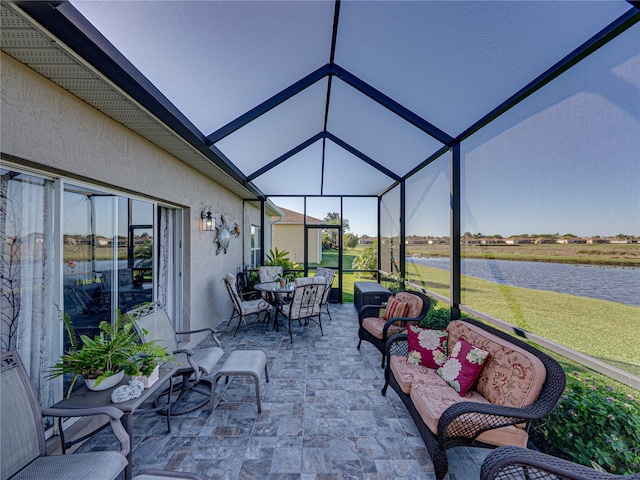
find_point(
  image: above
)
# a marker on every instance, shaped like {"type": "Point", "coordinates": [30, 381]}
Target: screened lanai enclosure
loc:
{"type": "Point", "coordinates": [469, 141]}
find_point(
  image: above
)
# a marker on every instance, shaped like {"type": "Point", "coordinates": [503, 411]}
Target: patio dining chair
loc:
{"type": "Point", "coordinates": [23, 451]}
{"type": "Point", "coordinates": [269, 273]}
{"type": "Point", "coordinates": [305, 302]}
{"type": "Point", "coordinates": [152, 323]}
{"type": "Point", "coordinates": [328, 274]}
{"type": "Point", "coordinates": [243, 308]}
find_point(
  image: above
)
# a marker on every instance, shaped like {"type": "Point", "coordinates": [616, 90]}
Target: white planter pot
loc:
{"type": "Point", "coordinates": [105, 384]}
{"type": "Point", "coordinates": [151, 379]}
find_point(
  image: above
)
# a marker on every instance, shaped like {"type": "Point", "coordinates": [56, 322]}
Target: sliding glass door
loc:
{"type": "Point", "coordinates": [108, 256]}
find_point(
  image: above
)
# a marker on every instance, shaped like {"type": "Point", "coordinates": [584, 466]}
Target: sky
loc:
{"type": "Point", "coordinates": [565, 160]}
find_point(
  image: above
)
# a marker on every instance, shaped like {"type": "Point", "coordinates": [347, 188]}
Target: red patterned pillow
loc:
{"type": "Point", "coordinates": [395, 309]}
{"type": "Point", "coordinates": [427, 347]}
{"type": "Point", "coordinates": [463, 366]}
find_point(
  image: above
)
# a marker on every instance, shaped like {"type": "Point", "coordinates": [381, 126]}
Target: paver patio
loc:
{"type": "Point", "coordinates": [323, 416]}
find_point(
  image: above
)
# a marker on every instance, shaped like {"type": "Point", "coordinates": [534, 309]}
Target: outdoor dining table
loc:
{"type": "Point", "coordinates": [275, 295]}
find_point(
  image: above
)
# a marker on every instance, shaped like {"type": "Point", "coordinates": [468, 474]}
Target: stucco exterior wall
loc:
{"type": "Point", "coordinates": [51, 129]}
{"type": "Point", "coordinates": [252, 217]}
{"type": "Point", "coordinates": [290, 237]}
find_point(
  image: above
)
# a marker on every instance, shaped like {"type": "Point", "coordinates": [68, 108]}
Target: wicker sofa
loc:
{"type": "Point", "coordinates": [517, 384]}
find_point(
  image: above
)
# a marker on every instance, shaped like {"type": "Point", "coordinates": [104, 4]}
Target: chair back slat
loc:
{"type": "Point", "coordinates": [22, 438]}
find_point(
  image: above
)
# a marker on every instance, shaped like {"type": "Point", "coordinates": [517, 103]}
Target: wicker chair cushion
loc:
{"type": "Point", "coordinates": [431, 402]}
{"type": "Point", "coordinates": [407, 373]}
{"type": "Point", "coordinates": [414, 301]}
{"type": "Point", "coordinates": [512, 376]}
{"type": "Point", "coordinates": [375, 325]}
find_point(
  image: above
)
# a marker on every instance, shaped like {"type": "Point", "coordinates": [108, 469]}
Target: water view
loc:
{"type": "Point", "coordinates": [618, 284]}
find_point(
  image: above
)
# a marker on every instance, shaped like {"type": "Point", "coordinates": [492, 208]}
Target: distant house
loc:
{"type": "Point", "coordinates": [617, 240]}
{"type": "Point", "coordinates": [288, 234]}
{"type": "Point", "coordinates": [470, 241]}
{"type": "Point", "coordinates": [365, 240]}
{"type": "Point", "coordinates": [512, 241]}
{"type": "Point", "coordinates": [492, 241]}
{"type": "Point", "coordinates": [518, 240]}
{"type": "Point", "coordinates": [541, 240]}
{"type": "Point", "coordinates": [102, 241]}
{"type": "Point", "coordinates": [568, 239]}
{"type": "Point", "coordinates": [416, 240]}
{"type": "Point", "coordinates": [594, 240]}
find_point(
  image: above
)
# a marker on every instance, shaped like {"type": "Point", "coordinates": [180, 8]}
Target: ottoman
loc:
{"type": "Point", "coordinates": [243, 363]}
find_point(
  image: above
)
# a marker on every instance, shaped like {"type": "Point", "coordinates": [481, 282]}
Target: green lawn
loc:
{"type": "Point", "coordinates": [599, 328]}
{"type": "Point", "coordinates": [330, 259]}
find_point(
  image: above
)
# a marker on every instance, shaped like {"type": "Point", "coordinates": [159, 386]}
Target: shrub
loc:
{"type": "Point", "coordinates": [593, 423]}
{"type": "Point", "coordinates": [367, 260]}
{"type": "Point", "coordinates": [279, 258]}
{"type": "Point", "coordinates": [438, 316]}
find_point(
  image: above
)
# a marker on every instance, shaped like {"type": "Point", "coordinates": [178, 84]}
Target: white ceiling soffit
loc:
{"type": "Point", "coordinates": [29, 44]}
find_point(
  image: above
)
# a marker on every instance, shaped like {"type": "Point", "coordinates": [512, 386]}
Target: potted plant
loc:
{"type": "Point", "coordinates": [104, 359]}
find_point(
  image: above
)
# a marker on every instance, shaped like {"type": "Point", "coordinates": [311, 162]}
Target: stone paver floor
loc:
{"type": "Point", "coordinates": [323, 416]}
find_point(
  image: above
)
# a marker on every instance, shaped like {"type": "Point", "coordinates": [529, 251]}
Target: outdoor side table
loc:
{"type": "Point", "coordinates": [85, 398]}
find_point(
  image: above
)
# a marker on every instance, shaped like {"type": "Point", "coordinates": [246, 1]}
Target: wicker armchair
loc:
{"type": "Point", "coordinates": [514, 463]}
{"type": "Point", "coordinates": [462, 423]}
{"type": "Point", "coordinates": [23, 443]}
{"type": "Point", "coordinates": [375, 330]}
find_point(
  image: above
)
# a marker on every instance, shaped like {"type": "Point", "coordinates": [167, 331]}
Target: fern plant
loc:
{"type": "Point", "coordinates": [117, 347]}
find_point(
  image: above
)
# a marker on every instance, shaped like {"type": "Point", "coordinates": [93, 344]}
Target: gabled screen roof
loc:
{"type": "Point", "coordinates": [303, 97]}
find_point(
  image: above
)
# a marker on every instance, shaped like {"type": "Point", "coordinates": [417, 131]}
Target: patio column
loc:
{"type": "Point", "coordinates": [455, 231]}
{"type": "Point", "coordinates": [403, 247]}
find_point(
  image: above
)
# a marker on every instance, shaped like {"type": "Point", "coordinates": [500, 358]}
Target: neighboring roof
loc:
{"type": "Point", "coordinates": [292, 217]}
{"type": "Point", "coordinates": [272, 209]}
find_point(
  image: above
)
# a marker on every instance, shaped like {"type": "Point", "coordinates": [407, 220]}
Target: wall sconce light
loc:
{"type": "Point", "coordinates": [208, 222]}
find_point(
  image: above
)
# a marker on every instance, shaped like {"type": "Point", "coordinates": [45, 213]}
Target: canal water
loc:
{"type": "Point", "coordinates": [618, 284]}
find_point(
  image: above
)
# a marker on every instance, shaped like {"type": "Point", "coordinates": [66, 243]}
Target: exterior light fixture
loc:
{"type": "Point", "coordinates": [208, 222]}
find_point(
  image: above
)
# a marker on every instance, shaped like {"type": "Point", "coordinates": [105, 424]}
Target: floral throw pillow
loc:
{"type": "Point", "coordinates": [463, 366]}
{"type": "Point", "coordinates": [427, 347]}
{"type": "Point", "coordinates": [395, 308]}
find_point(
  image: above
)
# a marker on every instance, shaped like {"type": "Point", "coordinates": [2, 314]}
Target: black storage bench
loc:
{"type": "Point", "coordinates": [369, 293]}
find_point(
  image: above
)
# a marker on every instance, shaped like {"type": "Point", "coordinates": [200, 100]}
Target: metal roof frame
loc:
{"type": "Point", "coordinates": [65, 23]}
